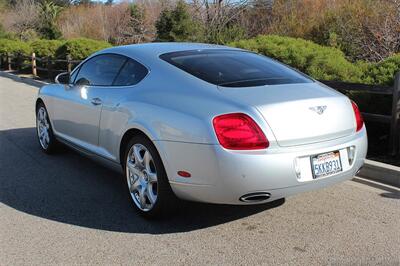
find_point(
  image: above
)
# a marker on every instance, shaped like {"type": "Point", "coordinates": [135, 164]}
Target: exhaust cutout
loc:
{"type": "Point", "coordinates": [255, 197]}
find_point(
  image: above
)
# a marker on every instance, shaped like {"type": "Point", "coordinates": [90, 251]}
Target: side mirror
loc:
{"type": "Point", "coordinates": [62, 78]}
{"type": "Point", "coordinates": [82, 82]}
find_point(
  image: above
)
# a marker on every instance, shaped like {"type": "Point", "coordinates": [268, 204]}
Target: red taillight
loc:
{"type": "Point", "coordinates": [239, 132]}
{"type": "Point", "coordinates": [359, 119]}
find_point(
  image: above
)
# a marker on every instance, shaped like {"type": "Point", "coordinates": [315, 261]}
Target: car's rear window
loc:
{"type": "Point", "coordinates": [234, 68]}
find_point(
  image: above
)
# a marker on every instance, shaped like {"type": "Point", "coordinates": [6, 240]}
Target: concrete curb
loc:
{"type": "Point", "coordinates": [381, 172]}
{"type": "Point", "coordinates": [29, 81]}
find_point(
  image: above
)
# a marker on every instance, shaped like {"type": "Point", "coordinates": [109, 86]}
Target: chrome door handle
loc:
{"type": "Point", "coordinates": [96, 101]}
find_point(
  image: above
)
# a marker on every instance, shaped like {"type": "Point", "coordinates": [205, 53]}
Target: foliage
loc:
{"type": "Point", "coordinates": [14, 46]}
{"type": "Point", "coordinates": [362, 29]}
{"type": "Point", "coordinates": [46, 48]}
{"type": "Point", "coordinates": [177, 25]}
{"type": "Point", "coordinates": [49, 12]}
{"type": "Point", "coordinates": [226, 34]}
{"type": "Point", "coordinates": [320, 62]}
{"type": "Point", "coordinates": [3, 33]}
{"type": "Point", "coordinates": [382, 72]}
{"type": "Point", "coordinates": [22, 19]}
{"type": "Point", "coordinates": [80, 48]}
{"type": "Point", "coordinates": [135, 28]}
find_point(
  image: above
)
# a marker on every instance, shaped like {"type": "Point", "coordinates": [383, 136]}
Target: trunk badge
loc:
{"type": "Point", "coordinates": [318, 109]}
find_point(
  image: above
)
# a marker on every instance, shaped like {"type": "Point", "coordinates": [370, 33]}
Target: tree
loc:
{"type": "Point", "coordinates": [135, 29]}
{"type": "Point", "coordinates": [177, 25]}
{"type": "Point", "coordinates": [221, 19]}
{"type": "Point", "coordinates": [22, 19]}
{"type": "Point", "coordinates": [48, 15]}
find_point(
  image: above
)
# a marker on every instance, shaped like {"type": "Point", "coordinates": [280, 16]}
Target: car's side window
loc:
{"type": "Point", "coordinates": [131, 73]}
{"type": "Point", "coordinates": [100, 70]}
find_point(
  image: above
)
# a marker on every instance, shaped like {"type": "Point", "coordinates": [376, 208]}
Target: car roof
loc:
{"type": "Point", "coordinates": [159, 48]}
{"type": "Point", "coordinates": [152, 51]}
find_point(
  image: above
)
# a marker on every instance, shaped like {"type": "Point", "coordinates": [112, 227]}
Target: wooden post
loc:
{"type": "Point", "coordinates": [8, 62]}
{"type": "Point", "coordinates": [1, 61]}
{"type": "Point", "coordinates": [49, 68]}
{"type": "Point", "coordinates": [395, 123]}
{"type": "Point", "coordinates": [69, 64]}
{"type": "Point", "coordinates": [34, 70]}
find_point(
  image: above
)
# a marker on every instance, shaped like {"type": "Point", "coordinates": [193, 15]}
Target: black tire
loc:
{"type": "Point", "coordinates": [166, 200]}
{"type": "Point", "coordinates": [53, 144]}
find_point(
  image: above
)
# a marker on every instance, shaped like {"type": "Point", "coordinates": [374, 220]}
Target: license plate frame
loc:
{"type": "Point", "coordinates": [335, 164]}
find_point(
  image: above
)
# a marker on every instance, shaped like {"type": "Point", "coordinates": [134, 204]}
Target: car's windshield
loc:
{"type": "Point", "coordinates": [234, 68]}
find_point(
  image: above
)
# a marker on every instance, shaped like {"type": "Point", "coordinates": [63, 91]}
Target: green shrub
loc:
{"type": "Point", "coordinates": [80, 48]}
{"type": "Point", "coordinates": [14, 46]}
{"type": "Point", "coordinates": [46, 48]}
{"type": "Point", "coordinates": [320, 62]}
{"type": "Point", "coordinates": [382, 72]}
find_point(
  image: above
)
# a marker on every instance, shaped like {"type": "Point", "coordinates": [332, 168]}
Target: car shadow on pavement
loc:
{"type": "Point", "coordinates": [69, 188]}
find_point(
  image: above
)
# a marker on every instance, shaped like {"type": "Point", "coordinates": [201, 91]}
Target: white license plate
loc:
{"type": "Point", "coordinates": [326, 164]}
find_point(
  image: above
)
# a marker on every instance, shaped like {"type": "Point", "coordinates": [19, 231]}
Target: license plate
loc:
{"type": "Point", "coordinates": [326, 164]}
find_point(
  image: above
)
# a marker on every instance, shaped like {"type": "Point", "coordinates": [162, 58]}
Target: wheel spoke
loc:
{"type": "Point", "coordinates": [136, 182]}
{"type": "Point", "coordinates": [132, 168]}
{"type": "Point", "coordinates": [136, 153]}
{"type": "Point", "coordinates": [46, 136]}
{"type": "Point", "coordinates": [132, 184]}
{"type": "Point", "coordinates": [41, 114]}
{"type": "Point", "coordinates": [142, 197]}
{"type": "Point", "coordinates": [146, 160]}
{"type": "Point", "coordinates": [150, 195]}
{"type": "Point", "coordinates": [152, 177]}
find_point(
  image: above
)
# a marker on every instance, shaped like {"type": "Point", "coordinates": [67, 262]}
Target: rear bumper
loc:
{"type": "Point", "coordinates": [223, 176]}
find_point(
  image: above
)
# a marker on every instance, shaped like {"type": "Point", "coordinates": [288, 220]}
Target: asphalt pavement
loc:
{"type": "Point", "coordinates": [66, 209]}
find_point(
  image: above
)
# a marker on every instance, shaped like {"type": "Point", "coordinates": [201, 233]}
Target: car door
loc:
{"type": "Point", "coordinates": [77, 112]}
{"type": "Point", "coordinates": [113, 119]}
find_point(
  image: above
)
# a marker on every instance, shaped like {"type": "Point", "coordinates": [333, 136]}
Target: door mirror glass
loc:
{"type": "Point", "coordinates": [82, 82]}
{"type": "Point", "coordinates": [62, 78]}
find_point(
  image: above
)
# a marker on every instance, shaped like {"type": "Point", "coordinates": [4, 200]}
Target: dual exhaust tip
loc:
{"type": "Point", "coordinates": [255, 197]}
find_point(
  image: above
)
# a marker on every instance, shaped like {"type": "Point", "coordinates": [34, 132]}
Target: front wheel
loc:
{"type": "Point", "coordinates": [146, 178]}
{"type": "Point", "coordinates": [46, 138]}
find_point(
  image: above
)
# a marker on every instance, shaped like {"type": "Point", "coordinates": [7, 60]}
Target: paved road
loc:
{"type": "Point", "coordinates": [65, 209]}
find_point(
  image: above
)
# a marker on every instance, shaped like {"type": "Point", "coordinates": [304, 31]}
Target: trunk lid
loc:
{"type": "Point", "coordinates": [299, 113]}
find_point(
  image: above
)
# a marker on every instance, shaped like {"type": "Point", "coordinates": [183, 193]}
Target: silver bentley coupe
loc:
{"type": "Point", "coordinates": [203, 123]}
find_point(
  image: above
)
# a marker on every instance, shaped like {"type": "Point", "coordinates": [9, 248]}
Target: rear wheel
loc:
{"type": "Point", "coordinates": [46, 138]}
{"type": "Point", "coordinates": [146, 178]}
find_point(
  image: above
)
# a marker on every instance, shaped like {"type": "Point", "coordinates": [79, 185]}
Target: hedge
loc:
{"type": "Point", "coordinates": [46, 48]}
{"type": "Point", "coordinates": [320, 62]}
{"type": "Point", "coordinates": [14, 46]}
{"type": "Point", "coordinates": [80, 48]}
{"type": "Point", "coordinates": [382, 72]}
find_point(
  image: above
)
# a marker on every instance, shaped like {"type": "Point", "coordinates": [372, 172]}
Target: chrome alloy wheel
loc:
{"type": "Point", "coordinates": [141, 177]}
{"type": "Point", "coordinates": [43, 128]}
